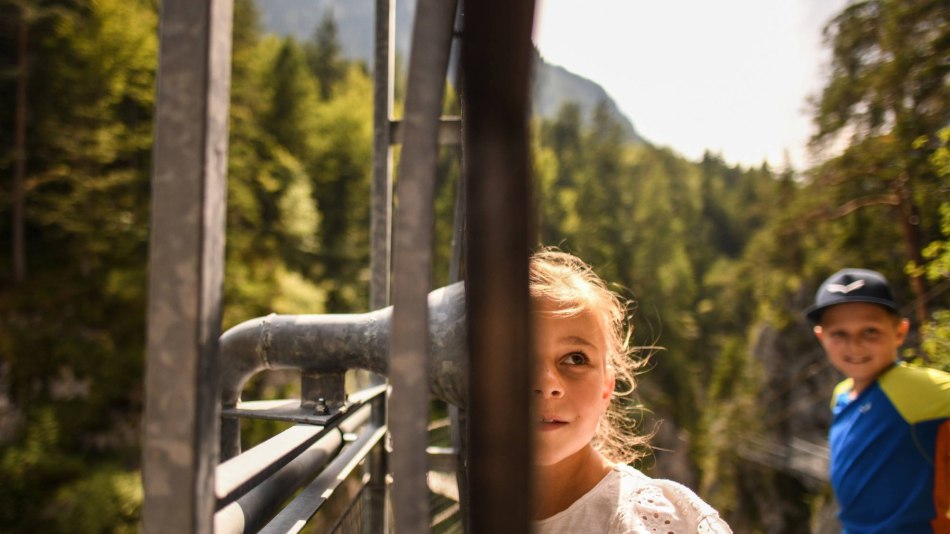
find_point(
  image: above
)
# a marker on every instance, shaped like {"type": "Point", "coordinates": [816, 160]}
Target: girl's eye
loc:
{"type": "Point", "coordinates": [576, 358]}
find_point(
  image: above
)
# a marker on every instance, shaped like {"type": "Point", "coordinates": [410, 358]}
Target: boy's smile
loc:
{"type": "Point", "coordinates": [861, 340]}
{"type": "Point", "coordinates": [571, 384]}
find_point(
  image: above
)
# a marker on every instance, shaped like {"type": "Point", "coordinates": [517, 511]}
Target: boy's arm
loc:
{"type": "Point", "coordinates": [919, 395]}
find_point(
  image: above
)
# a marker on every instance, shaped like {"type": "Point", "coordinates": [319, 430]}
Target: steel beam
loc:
{"type": "Point", "coordinates": [381, 190]}
{"type": "Point", "coordinates": [496, 59]}
{"type": "Point", "coordinates": [412, 260]}
{"type": "Point", "coordinates": [186, 262]}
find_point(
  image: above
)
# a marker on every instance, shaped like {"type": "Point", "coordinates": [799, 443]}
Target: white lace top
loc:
{"type": "Point", "coordinates": [628, 502]}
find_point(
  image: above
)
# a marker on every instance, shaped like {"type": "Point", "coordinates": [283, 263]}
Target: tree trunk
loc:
{"type": "Point", "coordinates": [909, 219]}
{"type": "Point", "coordinates": [19, 156]}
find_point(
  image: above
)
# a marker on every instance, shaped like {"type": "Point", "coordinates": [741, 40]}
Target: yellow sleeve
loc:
{"type": "Point", "coordinates": [843, 386]}
{"type": "Point", "coordinates": [918, 394]}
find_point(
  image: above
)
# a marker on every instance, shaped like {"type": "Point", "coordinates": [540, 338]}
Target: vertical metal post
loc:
{"type": "Point", "coordinates": [408, 415]}
{"type": "Point", "coordinates": [382, 186]}
{"type": "Point", "coordinates": [186, 264]}
{"type": "Point", "coordinates": [496, 57]}
{"type": "Point", "coordinates": [458, 416]}
{"type": "Point", "coordinates": [381, 203]}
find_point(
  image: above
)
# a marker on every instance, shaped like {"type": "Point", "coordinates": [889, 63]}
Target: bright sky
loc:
{"type": "Point", "coordinates": [730, 76]}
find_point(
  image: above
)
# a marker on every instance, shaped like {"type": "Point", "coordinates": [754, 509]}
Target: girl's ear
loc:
{"type": "Point", "coordinates": [610, 382]}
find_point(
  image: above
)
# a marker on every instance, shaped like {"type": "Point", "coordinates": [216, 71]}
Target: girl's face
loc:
{"type": "Point", "coordinates": [572, 384]}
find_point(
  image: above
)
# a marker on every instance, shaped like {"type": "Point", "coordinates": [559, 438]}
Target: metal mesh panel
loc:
{"type": "Point", "coordinates": [356, 519]}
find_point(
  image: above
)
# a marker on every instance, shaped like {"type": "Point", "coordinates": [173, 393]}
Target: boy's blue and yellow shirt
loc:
{"type": "Point", "coordinates": [889, 453]}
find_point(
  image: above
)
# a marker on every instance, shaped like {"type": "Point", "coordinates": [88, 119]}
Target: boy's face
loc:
{"type": "Point", "coordinates": [861, 340]}
{"type": "Point", "coordinates": [571, 383]}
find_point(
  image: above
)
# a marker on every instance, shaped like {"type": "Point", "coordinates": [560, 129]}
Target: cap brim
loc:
{"type": "Point", "coordinates": [814, 312]}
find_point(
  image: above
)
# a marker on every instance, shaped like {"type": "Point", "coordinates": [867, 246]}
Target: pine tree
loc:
{"type": "Point", "coordinates": [888, 87]}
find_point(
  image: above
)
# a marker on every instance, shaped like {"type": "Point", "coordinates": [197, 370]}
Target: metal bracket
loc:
{"type": "Point", "coordinates": [291, 410]}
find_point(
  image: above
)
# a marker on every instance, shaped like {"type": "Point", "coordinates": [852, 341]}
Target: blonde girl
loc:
{"type": "Point", "coordinates": [582, 443]}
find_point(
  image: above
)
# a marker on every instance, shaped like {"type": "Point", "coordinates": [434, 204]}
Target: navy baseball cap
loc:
{"type": "Point", "coordinates": [852, 285]}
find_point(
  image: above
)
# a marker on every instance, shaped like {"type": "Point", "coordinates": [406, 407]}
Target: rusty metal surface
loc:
{"type": "Point", "coordinates": [186, 257]}
{"type": "Point", "coordinates": [412, 262]}
{"type": "Point", "coordinates": [496, 57]}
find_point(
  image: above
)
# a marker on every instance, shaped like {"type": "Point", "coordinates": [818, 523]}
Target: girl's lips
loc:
{"type": "Point", "coordinates": [551, 422]}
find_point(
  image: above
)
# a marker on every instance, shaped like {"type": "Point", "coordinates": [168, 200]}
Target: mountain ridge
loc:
{"type": "Point", "coordinates": [553, 85]}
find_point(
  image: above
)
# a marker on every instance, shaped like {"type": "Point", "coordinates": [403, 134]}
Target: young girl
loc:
{"type": "Point", "coordinates": [582, 481]}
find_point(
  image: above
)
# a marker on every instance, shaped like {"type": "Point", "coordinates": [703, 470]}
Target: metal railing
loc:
{"type": "Point", "coordinates": [194, 375]}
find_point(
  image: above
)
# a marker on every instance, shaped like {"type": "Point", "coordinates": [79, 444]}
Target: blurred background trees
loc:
{"type": "Point", "coordinates": [719, 259]}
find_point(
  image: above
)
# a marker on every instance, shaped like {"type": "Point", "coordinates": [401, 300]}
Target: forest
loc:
{"type": "Point", "coordinates": [719, 259]}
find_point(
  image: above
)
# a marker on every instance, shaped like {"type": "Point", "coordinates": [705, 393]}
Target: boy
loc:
{"type": "Point", "coordinates": [890, 434]}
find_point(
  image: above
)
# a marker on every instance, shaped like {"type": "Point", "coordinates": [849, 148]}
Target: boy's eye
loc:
{"type": "Point", "coordinates": [871, 333]}
{"type": "Point", "coordinates": [575, 358]}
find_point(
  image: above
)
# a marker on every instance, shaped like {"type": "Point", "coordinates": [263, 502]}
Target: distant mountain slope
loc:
{"type": "Point", "coordinates": [554, 86]}
{"type": "Point", "coordinates": [355, 22]}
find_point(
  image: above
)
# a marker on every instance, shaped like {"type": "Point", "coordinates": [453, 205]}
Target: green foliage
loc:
{"type": "Point", "coordinates": [88, 198]}
{"type": "Point", "coordinates": [935, 333]}
{"type": "Point", "coordinates": [935, 340]}
{"type": "Point", "coordinates": [324, 57]}
{"type": "Point", "coordinates": [107, 500]}
{"type": "Point", "coordinates": [340, 169]}
{"type": "Point", "coordinates": [72, 335]}
{"type": "Point", "coordinates": [642, 217]}
{"type": "Point", "coordinates": [887, 60]}
{"type": "Point", "coordinates": [29, 468]}
{"type": "Point", "coordinates": [886, 90]}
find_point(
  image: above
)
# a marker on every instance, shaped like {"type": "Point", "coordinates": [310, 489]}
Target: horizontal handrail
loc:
{"type": "Point", "coordinates": [296, 514]}
{"type": "Point", "coordinates": [252, 509]}
{"type": "Point", "coordinates": [251, 487]}
{"type": "Point", "coordinates": [236, 476]}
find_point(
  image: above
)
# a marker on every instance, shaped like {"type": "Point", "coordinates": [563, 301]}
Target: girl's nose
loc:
{"type": "Point", "coordinates": [546, 383]}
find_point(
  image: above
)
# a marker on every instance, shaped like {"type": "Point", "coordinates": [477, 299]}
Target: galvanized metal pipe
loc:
{"type": "Point", "coordinates": [256, 507]}
{"type": "Point", "coordinates": [299, 511]}
{"type": "Point", "coordinates": [335, 343]}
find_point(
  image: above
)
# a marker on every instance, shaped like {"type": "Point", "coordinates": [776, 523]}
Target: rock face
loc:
{"type": "Point", "coordinates": [797, 382]}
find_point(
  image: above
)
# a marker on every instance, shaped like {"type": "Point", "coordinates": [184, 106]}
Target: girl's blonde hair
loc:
{"type": "Point", "coordinates": [573, 287]}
